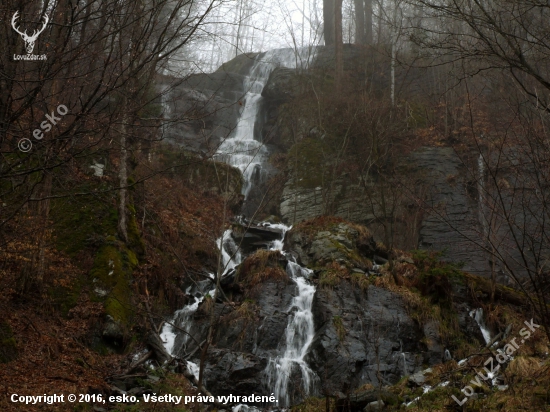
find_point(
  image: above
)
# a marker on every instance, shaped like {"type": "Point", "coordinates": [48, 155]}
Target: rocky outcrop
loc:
{"type": "Point", "coordinates": [282, 86]}
{"type": "Point", "coordinates": [448, 189]}
{"type": "Point", "coordinates": [366, 333]}
{"type": "Point", "coordinates": [363, 337]}
{"type": "Point", "coordinates": [248, 332]}
{"type": "Point", "coordinates": [324, 240]}
{"type": "Point", "coordinates": [204, 108]}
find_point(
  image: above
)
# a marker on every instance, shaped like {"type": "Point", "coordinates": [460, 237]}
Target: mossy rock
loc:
{"type": "Point", "coordinates": [326, 239]}
{"type": "Point", "coordinates": [8, 344]}
{"type": "Point", "coordinates": [111, 275]}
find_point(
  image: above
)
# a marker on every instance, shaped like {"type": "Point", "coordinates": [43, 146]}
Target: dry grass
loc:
{"type": "Point", "coordinates": [414, 302]}
{"type": "Point", "coordinates": [311, 227]}
{"type": "Point", "coordinates": [360, 280]}
{"type": "Point", "coordinates": [524, 367]}
{"type": "Point", "coordinates": [247, 310]}
{"type": "Point", "coordinates": [340, 328]}
{"type": "Point", "coordinates": [365, 387]}
{"type": "Point", "coordinates": [261, 266]}
{"type": "Point", "coordinates": [314, 405]}
{"type": "Point", "coordinates": [333, 275]}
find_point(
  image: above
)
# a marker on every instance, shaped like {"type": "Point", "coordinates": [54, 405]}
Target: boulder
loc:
{"type": "Point", "coordinates": [419, 378]}
{"type": "Point", "coordinates": [335, 240]}
{"type": "Point", "coordinates": [230, 372]}
{"type": "Point", "coordinates": [113, 332]}
{"type": "Point", "coordinates": [366, 398]}
{"type": "Point", "coordinates": [374, 406]}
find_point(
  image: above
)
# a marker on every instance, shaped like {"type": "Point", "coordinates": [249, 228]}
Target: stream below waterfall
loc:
{"type": "Point", "coordinates": [249, 155]}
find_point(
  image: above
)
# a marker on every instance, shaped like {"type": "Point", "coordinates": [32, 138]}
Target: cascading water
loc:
{"type": "Point", "coordinates": [174, 340]}
{"type": "Point", "coordinates": [298, 337]}
{"type": "Point", "coordinates": [231, 255]}
{"type": "Point", "coordinates": [241, 149]}
{"type": "Point", "coordinates": [244, 152]}
{"type": "Point", "coordinates": [477, 314]}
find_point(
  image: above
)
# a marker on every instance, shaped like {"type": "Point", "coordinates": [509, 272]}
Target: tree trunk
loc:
{"type": "Point", "coordinates": [123, 180]}
{"type": "Point", "coordinates": [393, 51]}
{"type": "Point", "coordinates": [360, 33]}
{"type": "Point", "coordinates": [368, 22]}
{"type": "Point", "coordinates": [328, 18]}
{"type": "Point", "coordinates": [339, 45]}
{"type": "Point", "coordinates": [379, 25]}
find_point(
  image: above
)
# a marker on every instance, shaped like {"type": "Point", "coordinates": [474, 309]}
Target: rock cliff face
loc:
{"type": "Point", "coordinates": [204, 108]}
{"type": "Point", "coordinates": [453, 192]}
{"type": "Point", "coordinates": [208, 105]}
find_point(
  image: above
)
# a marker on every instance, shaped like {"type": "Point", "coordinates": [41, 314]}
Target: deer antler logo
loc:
{"type": "Point", "coordinates": [29, 40]}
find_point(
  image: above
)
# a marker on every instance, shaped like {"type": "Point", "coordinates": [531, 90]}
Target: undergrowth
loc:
{"type": "Point", "coordinates": [261, 266]}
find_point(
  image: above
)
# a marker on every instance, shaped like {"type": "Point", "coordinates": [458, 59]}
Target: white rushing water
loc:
{"type": "Point", "coordinates": [231, 255]}
{"type": "Point", "coordinates": [182, 319]}
{"type": "Point", "coordinates": [477, 314]}
{"type": "Point", "coordinates": [244, 152]}
{"type": "Point", "coordinates": [405, 368]}
{"type": "Point", "coordinates": [241, 149]}
{"type": "Point", "coordinates": [298, 337]}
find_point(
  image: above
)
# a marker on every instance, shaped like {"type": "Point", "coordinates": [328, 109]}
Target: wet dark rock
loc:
{"type": "Point", "coordinates": [433, 341]}
{"type": "Point", "coordinates": [374, 406]}
{"type": "Point", "coordinates": [253, 237]}
{"type": "Point", "coordinates": [236, 373]}
{"type": "Point", "coordinates": [282, 85]}
{"type": "Point", "coordinates": [245, 338]}
{"type": "Point", "coordinates": [376, 330]}
{"type": "Point", "coordinates": [361, 399]}
{"type": "Point", "coordinates": [113, 332]}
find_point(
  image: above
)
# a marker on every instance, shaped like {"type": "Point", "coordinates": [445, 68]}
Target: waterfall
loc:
{"type": "Point", "coordinates": [298, 337]}
{"type": "Point", "coordinates": [249, 155]}
{"type": "Point", "coordinates": [241, 149]}
{"type": "Point", "coordinates": [477, 314]}
{"type": "Point", "coordinates": [231, 255]}
{"type": "Point", "coordinates": [278, 244]}
{"type": "Point", "coordinates": [405, 368]}
{"type": "Point", "coordinates": [174, 341]}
